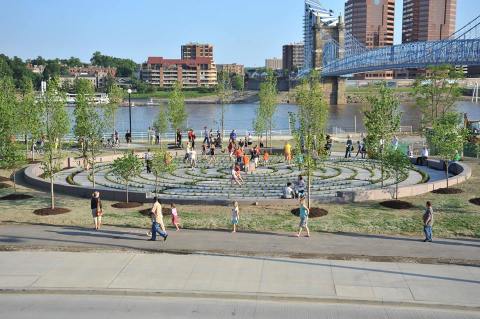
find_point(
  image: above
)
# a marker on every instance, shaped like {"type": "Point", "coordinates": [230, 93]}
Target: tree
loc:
{"type": "Point", "coordinates": [447, 137]}
{"type": "Point", "coordinates": [224, 94]}
{"type": "Point", "coordinates": [309, 126]}
{"type": "Point", "coordinates": [10, 156]}
{"type": "Point", "coordinates": [382, 120]}
{"type": "Point", "coordinates": [177, 115]}
{"type": "Point", "coordinates": [55, 124]}
{"type": "Point", "coordinates": [115, 97]}
{"type": "Point", "coordinates": [437, 92]}
{"type": "Point", "coordinates": [398, 163]}
{"type": "Point", "coordinates": [268, 101]}
{"type": "Point", "coordinates": [239, 82]}
{"type": "Point", "coordinates": [29, 114]}
{"type": "Point", "coordinates": [126, 168]}
{"type": "Point", "coordinates": [161, 123]}
{"type": "Point", "coordinates": [162, 163]}
{"type": "Point", "coordinates": [88, 124]}
{"type": "Point", "coordinates": [125, 67]}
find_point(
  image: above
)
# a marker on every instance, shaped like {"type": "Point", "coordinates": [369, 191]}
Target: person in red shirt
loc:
{"type": "Point", "coordinates": [246, 163]}
{"type": "Point", "coordinates": [239, 155]}
{"type": "Point", "coordinates": [265, 157]}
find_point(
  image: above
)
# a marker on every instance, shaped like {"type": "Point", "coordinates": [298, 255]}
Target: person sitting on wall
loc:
{"type": "Point", "coordinates": [422, 160]}
{"type": "Point", "coordinates": [288, 192]}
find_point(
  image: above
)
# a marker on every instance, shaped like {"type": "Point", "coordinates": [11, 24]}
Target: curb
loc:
{"type": "Point", "coordinates": [239, 296]}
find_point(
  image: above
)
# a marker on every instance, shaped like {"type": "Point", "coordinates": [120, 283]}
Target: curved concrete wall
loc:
{"type": "Point", "coordinates": [462, 173]}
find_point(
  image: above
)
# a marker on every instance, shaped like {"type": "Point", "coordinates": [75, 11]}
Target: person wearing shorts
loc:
{"type": "Point", "coordinates": [96, 207]}
{"type": "Point", "coordinates": [304, 211]}
{"type": "Point", "coordinates": [288, 152]}
{"type": "Point", "coordinates": [235, 216]}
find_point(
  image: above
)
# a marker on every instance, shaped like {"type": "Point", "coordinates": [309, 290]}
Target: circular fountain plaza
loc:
{"type": "Point", "coordinates": [337, 179]}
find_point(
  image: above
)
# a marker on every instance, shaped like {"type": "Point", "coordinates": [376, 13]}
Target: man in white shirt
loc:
{"type": "Point", "coordinates": [422, 160]}
{"type": "Point", "coordinates": [148, 161]}
{"type": "Point", "coordinates": [288, 191]}
{"type": "Point", "coordinates": [193, 158]}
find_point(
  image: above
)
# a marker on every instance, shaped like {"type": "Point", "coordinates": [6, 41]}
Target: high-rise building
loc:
{"type": "Point", "coordinates": [293, 56]}
{"type": "Point", "coordinates": [197, 50]}
{"type": "Point", "coordinates": [191, 73]}
{"type": "Point", "coordinates": [371, 22]}
{"type": "Point", "coordinates": [428, 20]}
{"type": "Point", "coordinates": [273, 63]}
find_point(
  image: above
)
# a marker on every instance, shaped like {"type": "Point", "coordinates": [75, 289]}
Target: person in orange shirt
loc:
{"type": "Point", "coordinates": [246, 163]}
{"type": "Point", "coordinates": [239, 155]}
{"type": "Point", "coordinates": [265, 157]}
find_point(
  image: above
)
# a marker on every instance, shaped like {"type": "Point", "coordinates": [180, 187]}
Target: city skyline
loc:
{"type": "Point", "coordinates": [58, 29]}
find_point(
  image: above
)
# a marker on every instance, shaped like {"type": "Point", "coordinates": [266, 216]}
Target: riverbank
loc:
{"type": "Point", "coordinates": [193, 97]}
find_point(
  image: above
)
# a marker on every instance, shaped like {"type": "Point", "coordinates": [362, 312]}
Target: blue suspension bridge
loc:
{"type": "Point", "coordinates": [460, 49]}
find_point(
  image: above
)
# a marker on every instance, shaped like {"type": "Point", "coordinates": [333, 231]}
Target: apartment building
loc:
{"type": "Point", "coordinates": [191, 51]}
{"type": "Point", "coordinates": [274, 64]}
{"type": "Point", "coordinates": [231, 68]}
{"type": "Point", "coordinates": [293, 56]}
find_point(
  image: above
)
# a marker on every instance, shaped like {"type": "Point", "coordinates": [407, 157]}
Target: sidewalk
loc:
{"type": "Point", "coordinates": [338, 246]}
{"type": "Point", "coordinates": [251, 278]}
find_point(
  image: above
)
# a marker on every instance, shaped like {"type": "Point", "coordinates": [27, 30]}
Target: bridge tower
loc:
{"type": "Point", "coordinates": [334, 87]}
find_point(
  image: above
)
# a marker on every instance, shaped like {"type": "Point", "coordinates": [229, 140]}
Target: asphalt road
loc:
{"type": "Point", "coordinates": [118, 307]}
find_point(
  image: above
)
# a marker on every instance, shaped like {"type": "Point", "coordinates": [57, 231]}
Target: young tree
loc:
{"type": "Point", "coordinates": [268, 101]}
{"type": "Point", "coordinates": [398, 163]}
{"type": "Point", "coordinates": [382, 121]}
{"type": "Point", "coordinates": [161, 123]}
{"type": "Point", "coordinates": [437, 92]}
{"type": "Point", "coordinates": [10, 156]}
{"type": "Point", "coordinates": [29, 115]}
{"type": "Point", "coordinates": [55, 124]}
{"type": "Point", "coordinates": [239, 82]}
{"type": "Point", "coordinates": [126, 168]}
{"type": "Point", "coordinates": [162, 163]}
{"type": "Point", "coordinates": [447, 137]}
{"type": "Point", "coordinates": [224, 94]}
{"type": "Point", "coordinates": [309, 126]}
{"type": "Point", "coordinates": [88, 124]}
{"type": "Point", "coordinates": [115, 97]}
{"type": "Point", "coordinates": [177, 114]}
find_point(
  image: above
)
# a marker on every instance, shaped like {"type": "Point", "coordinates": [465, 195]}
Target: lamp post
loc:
{"type": "Point", "coordinates": [129, 91]}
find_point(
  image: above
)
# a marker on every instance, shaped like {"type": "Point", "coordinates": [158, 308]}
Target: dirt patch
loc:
{"type": "Point", "coordinates": [447, 191]}
{"type": "Point", "coordinates": [166, 211]}
{"type": "Point", "coordinates": [127, 205]}
{"type": "Point", "coordinates": [397, 204]}
{"type": "Point", "coordinates": [3, 185]}
{"type": "Point", "coordinates": [49, 211]}
{"type": "Point", "coordinates": [315, 212]}
{"type": "Point", "coordinates": [16, 197]}
{"type": "Point", "coordinates": [475, 201]}
{"type": "Point", "coordinates": [4, 179]}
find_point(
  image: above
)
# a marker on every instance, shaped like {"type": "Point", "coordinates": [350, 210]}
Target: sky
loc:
{"type": "Point", "coordinates": [242, 31]}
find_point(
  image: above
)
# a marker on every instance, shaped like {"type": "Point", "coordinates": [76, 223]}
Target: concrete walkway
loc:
{"type": "Point", "coordinates": [255, 278]}
{"type": "Point", "coordinates": [345, 246]}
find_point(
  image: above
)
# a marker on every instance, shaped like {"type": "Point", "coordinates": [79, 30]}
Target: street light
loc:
{"type": "Point", "coordinates": [129, 91]}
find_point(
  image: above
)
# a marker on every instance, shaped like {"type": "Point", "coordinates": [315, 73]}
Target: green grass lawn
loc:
{"type": "Point", "coordinates": [454, 215]}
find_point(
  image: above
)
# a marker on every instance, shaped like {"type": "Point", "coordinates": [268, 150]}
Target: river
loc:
{"type": "Point", "coordinates": [240, 116]}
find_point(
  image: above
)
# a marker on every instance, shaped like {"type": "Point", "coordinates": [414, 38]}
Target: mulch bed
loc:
{"type": "Point", "coordinates": [475, 201]}
{"type": "Point", "coordinates": [4, 179]}
{"type": "Point", "coordinates": [397, 204]}
{"type": "Point", "coordinates": [166, 211]}
{"type": "Point", "coordinates": [49, 211]}
{"type": "Point", "coordinates": [16, 197]}
{"type": "Point", "coordinates": [315, 212]}
{"type": "Point", "coordinates": [3, 185]}
{"type": "Point", "coordinates": [447, 191]}
{"type": "Point", "coordinates": [127, 205]}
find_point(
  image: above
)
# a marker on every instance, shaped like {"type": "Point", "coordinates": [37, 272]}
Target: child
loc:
{"type": "Point", "coordinates": [235, 216]}
{"type": "Point", "coordinates": [175, 217]}
{"type": "Point", "coordinates": [265, 157]}
{"type": "Point", "coordinates": [303, 218]}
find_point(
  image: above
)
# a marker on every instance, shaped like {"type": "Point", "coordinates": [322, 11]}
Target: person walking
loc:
{"type": "Point", "coordinates": [206, 139]}
{"type": "Point", "coordinates": [348, 147]}
{"type": "Point", "coordinates": [157, 221]}
{"type": "Point", "coordinates": [235, 216]}
{"type": "Point", "coordinates": [304, 211]}
{"type": "Point", "coordinates": [287, 150]}
{"type": "Point", "coordinates": [175, 217]}
{"type": "Point", "coordinates": [148, 161]}
{"type": "Point", "coordinates": [96, 207]}
{"type": "Point", "coordinates": [428, 222]}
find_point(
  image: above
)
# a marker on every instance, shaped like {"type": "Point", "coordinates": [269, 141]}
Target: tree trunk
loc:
{"type": "Point", "coordinates": [52, 196]}
{"type": "Point", "coordinates": [127, 191]}
{"type": "Point", "coordinates": [93, 173]}
{"type": "Point", "coordinates": [223, 127]}
{"type": "Point", "coordinates": [26, 143]}
{"type": "Point", "coordinates": [396, 185]}
{"type": "Point", "coordinates": [156, 184]}
{"type": "Point", "coordinates": [14, 181]}
{"type": "Point", "coordinates": [309, 182]}
{"type": "Point", "coordinates": [446, 172]}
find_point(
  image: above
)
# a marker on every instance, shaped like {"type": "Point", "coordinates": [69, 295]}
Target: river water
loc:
{"type": "Point", "coordinates": [240, 116]}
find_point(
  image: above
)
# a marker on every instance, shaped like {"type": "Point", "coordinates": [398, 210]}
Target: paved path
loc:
{"type": "Point", "coordinates": [247, 278]}
{"type": "Point", "coordinates": [127, 307]}
{"type": "Point", "coordinates": [321, 245]}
